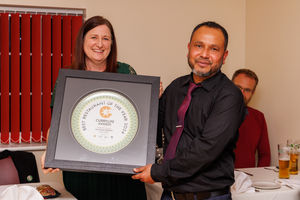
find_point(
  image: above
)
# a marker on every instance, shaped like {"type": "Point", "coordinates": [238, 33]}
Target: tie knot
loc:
{"type": "Point", "coordinates": [192, 86]}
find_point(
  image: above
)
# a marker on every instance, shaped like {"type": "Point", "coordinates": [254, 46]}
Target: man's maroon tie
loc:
{"type": "Point", "coordinates": [171, 149]}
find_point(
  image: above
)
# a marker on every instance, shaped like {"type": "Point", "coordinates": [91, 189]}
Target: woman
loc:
{"type": "Point", "coordinates": [96, 50]}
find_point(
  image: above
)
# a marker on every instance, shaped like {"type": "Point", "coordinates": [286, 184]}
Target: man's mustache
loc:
{"type": "Point", "coordinates": [201, 60]}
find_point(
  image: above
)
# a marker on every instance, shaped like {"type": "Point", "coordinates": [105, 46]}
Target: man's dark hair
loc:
{"type": "Point", "coordinates": [214, 25]}
{"type": "Point", "coordinates": [247, 72]}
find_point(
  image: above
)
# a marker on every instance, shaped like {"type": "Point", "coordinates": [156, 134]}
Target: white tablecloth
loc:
{"type": "Point", "coordinates": [261, 174]}
{"type": "Point", "coordinates": [64, 194]}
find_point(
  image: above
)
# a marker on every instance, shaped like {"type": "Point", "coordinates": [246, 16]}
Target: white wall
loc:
{"type": "Point", "coordinates": [272, 50]}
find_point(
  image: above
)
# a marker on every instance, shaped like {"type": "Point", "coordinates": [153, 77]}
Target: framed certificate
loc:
{"type": "Point", "coordinates": [103, 122]}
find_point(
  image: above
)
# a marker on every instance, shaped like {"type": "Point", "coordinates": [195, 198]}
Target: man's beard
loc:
{"type": "Point", "coordinates": [211, 72]}
{"type": "Point", "coordinates": [207, 74]}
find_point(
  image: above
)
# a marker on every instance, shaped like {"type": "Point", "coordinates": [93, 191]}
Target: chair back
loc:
{"type": "Point", "coordinates": [8, 172]}
{"type": "Point", "coordinates": [18, 165]}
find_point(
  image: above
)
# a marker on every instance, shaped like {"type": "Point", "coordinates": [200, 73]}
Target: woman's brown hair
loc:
{"type": "Point", "coordinates": [79, 58]}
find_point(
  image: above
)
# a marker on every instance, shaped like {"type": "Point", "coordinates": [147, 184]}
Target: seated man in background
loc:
{"type": "Point", "coordinates": [253, 133]}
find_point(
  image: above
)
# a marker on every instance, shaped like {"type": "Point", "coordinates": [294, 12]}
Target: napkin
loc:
{"type": "Point", "coordinates": [17, 192]}
{"type": "Point", "coordinates": [242, 183]}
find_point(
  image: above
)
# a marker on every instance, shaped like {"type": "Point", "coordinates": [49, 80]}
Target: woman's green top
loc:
{"type": "Point", "coordinates": [96, 186]}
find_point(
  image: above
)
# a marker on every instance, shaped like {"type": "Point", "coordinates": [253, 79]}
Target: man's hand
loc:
{"type": "Point", "coordinates": [144, 174]}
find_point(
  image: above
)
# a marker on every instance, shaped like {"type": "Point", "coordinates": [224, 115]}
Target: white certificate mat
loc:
{"type": "Point", "coordinates": [104, 121]}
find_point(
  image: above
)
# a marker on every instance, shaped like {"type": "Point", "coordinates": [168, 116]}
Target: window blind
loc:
{"type": "Point", "coordinates": [33, 47]}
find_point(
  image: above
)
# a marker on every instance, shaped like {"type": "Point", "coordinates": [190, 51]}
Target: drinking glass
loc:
{"type": "Point", "coordinates": [294, 154]}
{"type": "Point", "coordinates": [294, 161]}
{"type": "Point", "coordinates": [284, 160]}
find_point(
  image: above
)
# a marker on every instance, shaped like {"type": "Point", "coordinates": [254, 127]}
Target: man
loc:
{"type": "Point", "coordinates": [253, 133]}
{"type": "Point", "coordinates": [203, 164]}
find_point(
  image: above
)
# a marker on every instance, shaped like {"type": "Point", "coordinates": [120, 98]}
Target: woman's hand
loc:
{"type": "Point", "coordinates": [47, 170]}
{"type": "Point", "coordinates": [161, 89]}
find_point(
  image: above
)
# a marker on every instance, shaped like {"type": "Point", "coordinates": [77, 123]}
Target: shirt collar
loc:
{"type": "Point", "coordinates": [207, 84]}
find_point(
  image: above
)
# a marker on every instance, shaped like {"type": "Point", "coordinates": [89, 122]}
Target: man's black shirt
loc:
{"type": "Point", "coordinates": [204, 158]}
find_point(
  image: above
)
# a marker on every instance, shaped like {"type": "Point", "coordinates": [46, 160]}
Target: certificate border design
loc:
{"type": "Point", "coordinates": [79, 109]}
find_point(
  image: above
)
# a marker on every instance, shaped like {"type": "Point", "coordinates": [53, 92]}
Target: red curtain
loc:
{"type": "Point", "coordinates": [46, 74]}
{"type": "Point", "coordinates": [29, 71]}
{"type": "Point", "coordinates": [4, 43]}
{"type": "Point", "coordinates": [76, 24]}
{"type": "Point", "coordinates": [36, 78]}
{"type": "Point", "coordinates": [25, 78]}
{"type": "Point", "coordinates": [56, 44]}
{"type": "Point", "coordinates": [66, 41]}
{"type": "Point", "coordinates": [15, 78]}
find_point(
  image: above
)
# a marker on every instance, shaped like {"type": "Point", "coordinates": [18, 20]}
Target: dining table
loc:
{"type": "Point", "coordinates": [268, 186]}
{"type": "Point", "coordinates": [64, 194]}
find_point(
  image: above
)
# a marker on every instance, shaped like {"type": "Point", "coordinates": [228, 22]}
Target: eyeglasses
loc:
{"type": "Point", "coordinates": [245, 90]}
